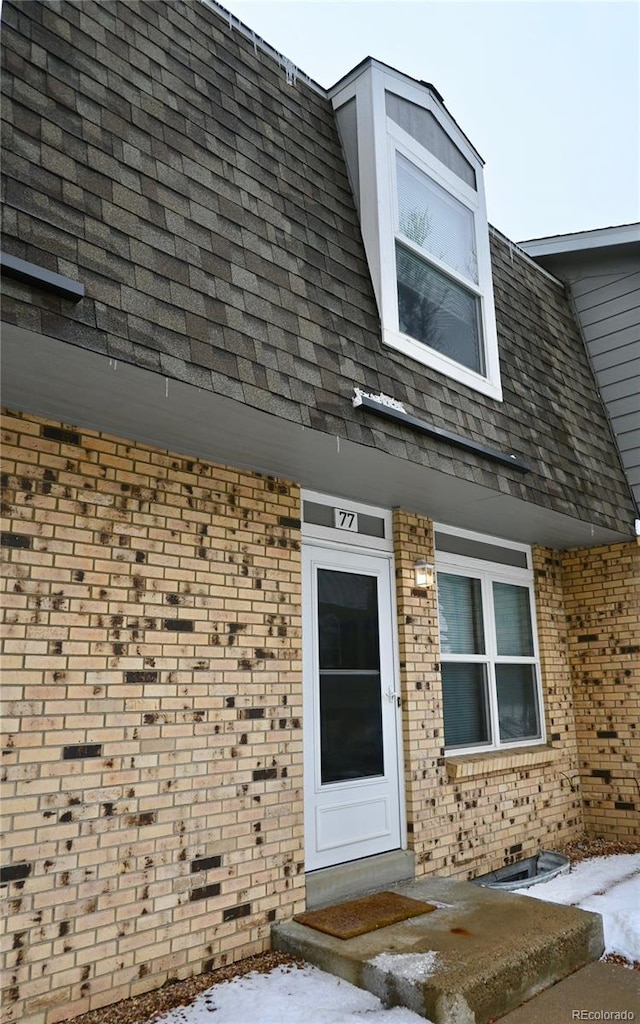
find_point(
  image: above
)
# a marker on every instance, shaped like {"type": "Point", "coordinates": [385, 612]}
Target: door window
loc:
{"type": "Point", "coordinates": [349, 663]}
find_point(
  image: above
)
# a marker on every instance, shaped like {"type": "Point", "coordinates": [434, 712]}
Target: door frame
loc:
{"type": "Point", "coordinates": [381, 549]}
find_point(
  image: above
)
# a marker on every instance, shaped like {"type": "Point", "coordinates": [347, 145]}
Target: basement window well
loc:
{"type": "Point", "coordinates": [540, 868]}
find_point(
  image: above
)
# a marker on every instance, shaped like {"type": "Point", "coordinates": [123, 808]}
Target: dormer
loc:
{"type": "Point", "coordinates": [418, 186]}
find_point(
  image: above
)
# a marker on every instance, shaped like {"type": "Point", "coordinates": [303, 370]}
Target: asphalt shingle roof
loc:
{"type": "Point", "coordinates": [151, 152]}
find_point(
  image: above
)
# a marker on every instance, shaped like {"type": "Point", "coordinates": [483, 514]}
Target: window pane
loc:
{"type": "Point", "coordinates": [517, 702]}
{"type": "Point", "coordinates": [513, 620]}
{"type": "Point", "coordinates": [350, 726]}
{"type": "Point", "coordinates": [460, 612]}
{"type": "Point", "coordinates": [431, 218]}
{"type": "Point", "coordinates": [348, 621]}
{"type": "Point", "coordinates": [350, 692]}
{"type": "Point", "coordinates": [466, 721]}
{"type": "Point", "coordinates": [436, 311]}
{"type": "Point", "coordinates": [480, 549]}
{"type": "Point", "coordinates": [422, 126]}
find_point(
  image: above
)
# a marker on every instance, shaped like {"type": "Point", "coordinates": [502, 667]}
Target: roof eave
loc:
{"type": "Point", "coordinates": [581, 241]}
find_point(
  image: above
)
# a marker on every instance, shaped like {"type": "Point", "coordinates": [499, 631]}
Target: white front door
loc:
{"type": "Point", "coordinates": [351, 707]}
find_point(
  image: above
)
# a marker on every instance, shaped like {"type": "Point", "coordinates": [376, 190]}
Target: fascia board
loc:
{"type": "Point", "coordinates": [600, 238]}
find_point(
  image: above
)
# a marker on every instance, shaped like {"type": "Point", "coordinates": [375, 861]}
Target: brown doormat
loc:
{"type": "Point", "coordinates": [356, 917]}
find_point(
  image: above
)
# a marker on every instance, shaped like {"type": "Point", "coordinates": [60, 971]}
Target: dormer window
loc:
{"type": "Point", "coordinates": [436, 268]}
{"type": "Point", "coordinates": [418, 186]}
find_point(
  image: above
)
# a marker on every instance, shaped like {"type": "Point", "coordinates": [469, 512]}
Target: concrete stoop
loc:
{"type": "Point", "coordinates": [481, 954]}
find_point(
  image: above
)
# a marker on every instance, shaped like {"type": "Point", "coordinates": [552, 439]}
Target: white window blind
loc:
{"type": "Point", "coordinates": [466, 717]}
{"type": "Point", "coordinates": [513, 620]}
{"type": "Point", "coordinates": [435, 221]}
{"type": "Point", "coordinates": [460, 612]}
{"type": "Point", "coordinates": [437, 311]}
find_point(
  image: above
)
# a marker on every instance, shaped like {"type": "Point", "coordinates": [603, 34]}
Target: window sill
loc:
{"type": "Point", "coordinates": [469, 766]}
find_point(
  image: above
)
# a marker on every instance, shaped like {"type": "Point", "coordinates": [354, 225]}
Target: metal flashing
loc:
{"type": "Point", "coordinates": [33, 274]}
{"type": "Point", "coordinates": [430, 430]}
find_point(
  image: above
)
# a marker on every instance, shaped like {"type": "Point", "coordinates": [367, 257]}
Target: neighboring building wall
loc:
{"type": "Point", "coordinates": [607, 300]}
{"type": "Point", "coordinates": [152, 686]}
{"type": "Point", "coordinates": [602, 596]}
{"type": "Point", "coordinates": [475, 813]}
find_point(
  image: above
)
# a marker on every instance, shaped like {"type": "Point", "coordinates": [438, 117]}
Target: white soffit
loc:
{"type": "Point", "coordinates": [72, 385]}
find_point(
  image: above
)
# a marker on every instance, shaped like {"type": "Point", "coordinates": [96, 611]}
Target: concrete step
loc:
{"type": "Point", "coordinates": [481, 954]}
{"type": "Point", "coordinates": [347, 881]}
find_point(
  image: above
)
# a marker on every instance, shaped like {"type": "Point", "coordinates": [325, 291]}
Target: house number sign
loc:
{"type": "Point", "coordinates": [345, 520]}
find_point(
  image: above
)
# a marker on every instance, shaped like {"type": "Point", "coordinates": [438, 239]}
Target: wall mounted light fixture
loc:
{"type": "Point", "coordinates": [424, 573]}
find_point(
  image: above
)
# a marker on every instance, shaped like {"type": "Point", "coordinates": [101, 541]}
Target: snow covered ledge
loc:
{"type": "Point", "coordinates": [468, 766]}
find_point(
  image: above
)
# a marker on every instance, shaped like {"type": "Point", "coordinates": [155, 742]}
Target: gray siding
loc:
{"type": "Point", "coordinates": [607, 301]}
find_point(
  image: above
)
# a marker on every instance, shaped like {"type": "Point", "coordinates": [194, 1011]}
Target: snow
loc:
{"type": "Point", "coordinates": [288, 994]}
{"type": "Point", "coordinates": [410, 966]}
{"type": "Point", "coordinates": [608, 885]}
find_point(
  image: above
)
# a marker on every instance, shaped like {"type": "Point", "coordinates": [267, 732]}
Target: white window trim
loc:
{"type": "Point", "coordinates": [378, 140]}
{"type": "Point", "coordinates": [488, 572]}
{"type": "Point", "coordinates": [430, 166]}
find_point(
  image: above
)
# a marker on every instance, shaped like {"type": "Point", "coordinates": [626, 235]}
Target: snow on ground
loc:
{"type": "Point", "coordinates": [288, 995]}
{"type": "Point", "coordinates": [608, 885]}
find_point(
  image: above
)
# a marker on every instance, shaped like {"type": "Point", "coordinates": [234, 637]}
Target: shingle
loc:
{"type": "Point", "coordinates": [275, 404]}
{"type": "Point", "coordinates": [227, 190]}
{"type": "Point", "coordinates": [154, 336]}
{"type": "Point", "coordinates": [228, 386]}
{"type": "Point", "coordinates": [239, 343]}
{"type": "Point", "coordinates": [182, 370]}
{"type": "Point", "coordinates": [18, 307]}
{"type": "Point", "coordinates": [57, 325]}
{"type": "Point", "coordinates": [277, 383]}
{"type": "Point", "coordinates": [212, 358]}
{"type": "Point", "coordinates": [115, 323]}
{"type": "Point", "coordinates": [146, 358]}
{"type": "Point", "coordinates": [200, 328]}
{"type": "Point", "coordinates": [121, 349]}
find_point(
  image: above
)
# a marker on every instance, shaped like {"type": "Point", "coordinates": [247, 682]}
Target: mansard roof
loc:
{"type": "Point", "coordinates": [196, 186]}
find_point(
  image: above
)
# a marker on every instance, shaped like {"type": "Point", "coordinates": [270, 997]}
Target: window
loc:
{"type": "Point", "coordinates": [437, 269]}
{"type": "Point", "coordinates": [418, 185]}
{"type": "Point", "coordinates": [443, 312]}
{"type": "Point", "coordinates": [490, 670]}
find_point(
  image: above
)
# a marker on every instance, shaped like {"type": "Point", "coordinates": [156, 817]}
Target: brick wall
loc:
{"type": "Point", "coordinates": [422, 722]}
{"type": "Point", "coordinates": [602, 594]}
{"type": "Point", "coordinates": [152, 691]}
{"type": "Point", "coordinates": [153, 700]}
{"type": "Point", "coordinates": [475, 813]}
